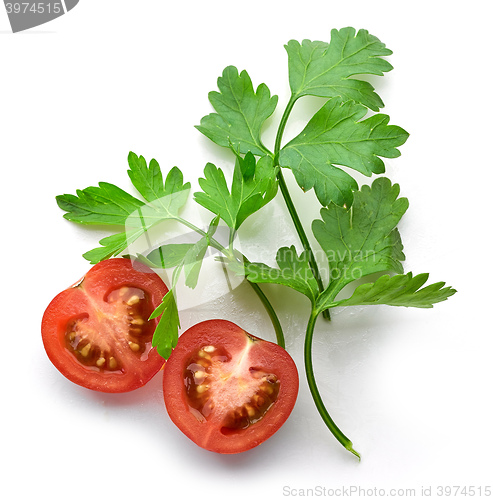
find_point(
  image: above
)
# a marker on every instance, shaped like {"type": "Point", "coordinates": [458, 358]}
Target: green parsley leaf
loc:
{"type": "Point", "coordinates": [216, 196]}
{"type": "Point", "coordinates": [363, 239]}
{"type": "Point", "coordinates": [167, 256]}
{"type": "Point", "coordinates": [240, 113]}
{"type": "Point", "coordinates": [336, 136]}
{"type": "Point", "coordinates": [192, 261]}
{"type": "Point", "coordinates": [399, 290]}
{"type": "Point", "coordinates": [111, 245]}
{"type": "Point", "coordinates": [325, 70]}
{"type": "Point", "coordinates": [175, 194]}
{"type": "Point", "coordinates": [253, 186]}
{"type": "Point", "coordinates": [165, 335]}
{"type": "Point", "coordinates": [166, 199]}
{"type": "Point", "coordinates": [107, 204]}
{"type": "Point", "coordinates": [147, 180]}
{"type": "Point", "coordinates": [186, 257]}
{"type": "Point", "coordinates": [294, 271]}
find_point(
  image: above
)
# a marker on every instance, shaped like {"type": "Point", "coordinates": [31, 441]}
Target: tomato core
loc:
{"type": "Point", "coordinates": [123, 314]}
{"type": "Point", "coordinates": [241, 395]}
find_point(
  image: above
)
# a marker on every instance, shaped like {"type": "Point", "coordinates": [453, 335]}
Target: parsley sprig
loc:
{"type": "Point", "coordinates": [254, 185]}
{"type": "Point", "coordinates": [359, 241]}
{"type": "Point", "coordinates": [357, 229]}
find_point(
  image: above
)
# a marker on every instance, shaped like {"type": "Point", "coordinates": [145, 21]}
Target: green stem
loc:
{"type": "Point", "coordinates": [282, 124]}
{"type": "Point", "coordinates": [229, 254]}
{"type": "Point", "coordinates": [270, 310]}
{"type": "Point", "coordinates": [289, 202]}
{"type": "Point", "coordinates": [272, 314]}
{"type": "Point", "coordinates": [213, 243]}
{"type": "Point", "coordinates": [338, 434]}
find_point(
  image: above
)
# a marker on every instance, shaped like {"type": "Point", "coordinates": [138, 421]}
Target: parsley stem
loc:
{"type": "Point", "coordinates": [229, 254]}
{"type": "Point", "coordinates": [269, 308]}
{"type": "Point", "coordinates": [282, 124]}
{"type": "Point", "coordinates": [289, 202]}
{"type": "Point", "coordinates": [338, 434]}
{"type": "Point", "coordinates": [212, 242]}
{"type": "Point", "coordinates": [272, 314]}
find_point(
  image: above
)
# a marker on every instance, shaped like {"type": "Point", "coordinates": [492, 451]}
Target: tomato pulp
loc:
{"type": "Point", "coordinates": [227, 390]}
{"type": "Point", "coordinates": [97, 332]}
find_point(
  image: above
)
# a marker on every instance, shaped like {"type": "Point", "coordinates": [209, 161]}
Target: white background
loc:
{"type": "Point", "coordinates": [411, 388]}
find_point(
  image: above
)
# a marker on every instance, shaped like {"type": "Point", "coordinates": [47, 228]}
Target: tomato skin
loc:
{"type": "Point", "coordinates": [261, 354]}
{"type": "Point", "coordinates": [86, 299]}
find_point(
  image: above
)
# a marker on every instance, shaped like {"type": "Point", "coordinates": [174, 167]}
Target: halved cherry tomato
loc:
{"type": "Point", "coordinates": [227, 390]}
{"type": "Point", "coordinates": [97, 332]}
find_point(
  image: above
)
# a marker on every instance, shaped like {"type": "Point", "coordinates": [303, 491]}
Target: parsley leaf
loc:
{"type": "Point", "coordinates": [324, 70]}
{"type": "Point", "coordinates": [186, 257]}
{"type": "Point", "coordinates": [165, 335]}
{"type": "Point", "coordinates": [112, 245]}
{"type": "Point", "coordinates": [363, 239]}
{"type": "Point", "coordinates": [240, 113]}
{"type": "Point", "coordinates": [167, 256]}
{"type": "Point", "coordinates": [253, 186]}
{"type": "Point", "coordinates": [107, 204]}
{"type": "Point", "coordinates": [165, 199]}
{"type": "Point", "coordinates": [399, 290]}
{"type": "Point", "coordinates": [336, 136]}
{"type": "Point", "coordinates": [294, 271]}
{"type": "Point", "coordinates": [147, 180]}
{"type": "Point", "coordinates": [192, 262]}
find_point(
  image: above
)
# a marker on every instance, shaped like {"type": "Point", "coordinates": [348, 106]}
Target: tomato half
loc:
{"type": "Point", "coordinates": [227, 390]}
{"type": "Point", "coordinates": [97, 332]}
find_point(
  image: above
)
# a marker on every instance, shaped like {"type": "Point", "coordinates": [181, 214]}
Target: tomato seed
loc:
{"type": "Point", "coordinates": [134, 299]}
{"type": "Point", "coordinates": [250, 410]}
{"type": "Point", "coordinates": [202, 388]}
{"type": "Point", "coordinates": [258, 400]}
{"type": "Point", "coordinates": [134, 346]}
{"type": "Point", "coordinates": [86, 350]}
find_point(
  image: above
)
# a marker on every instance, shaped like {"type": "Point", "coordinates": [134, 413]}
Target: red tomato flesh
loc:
{"type": "Point", "coordinates": [97, 332]}
{"type": "Point", "coordinates": [227, 390]}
